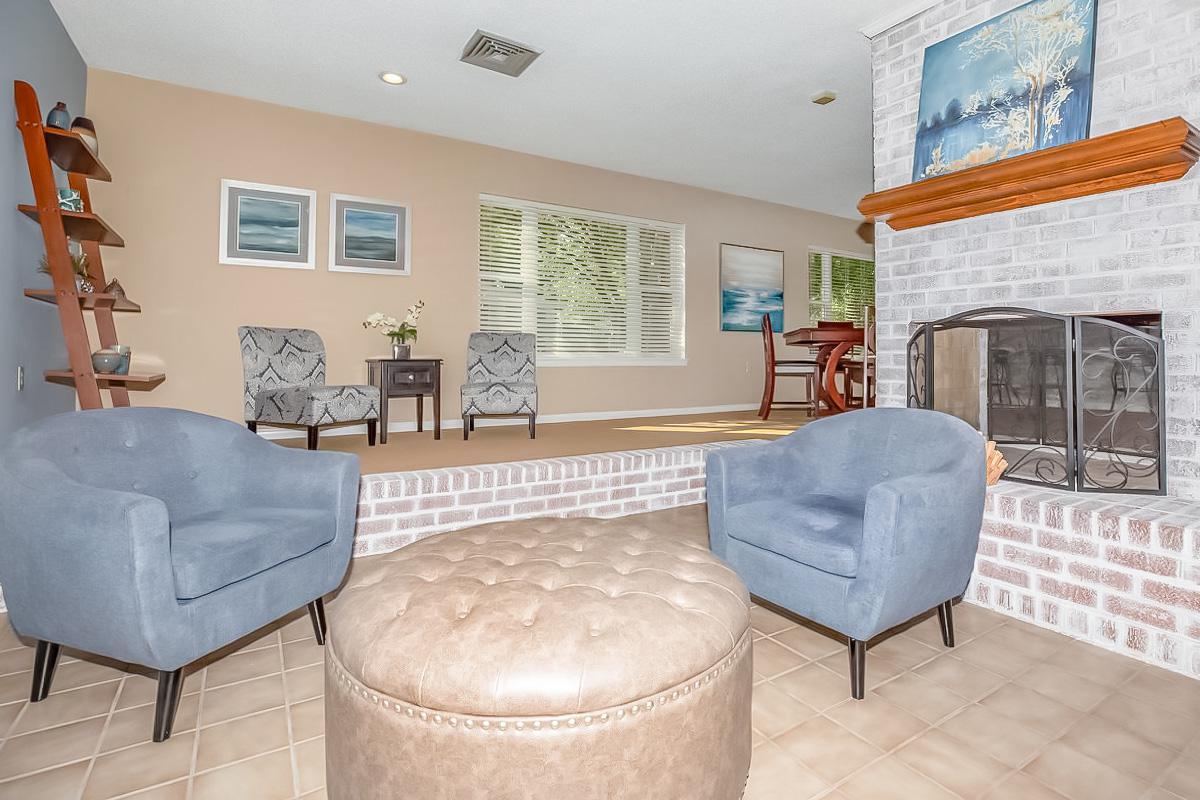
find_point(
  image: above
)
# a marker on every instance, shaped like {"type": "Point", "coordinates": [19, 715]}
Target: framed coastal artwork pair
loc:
{"type": "Point", "coordinates": [1018, 83]}
{"type": "Point", "coordinates": [263, 225]}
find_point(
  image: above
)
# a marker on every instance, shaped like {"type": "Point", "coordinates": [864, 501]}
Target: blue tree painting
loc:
{"type": "Point", "coordinates": [1019, 82]}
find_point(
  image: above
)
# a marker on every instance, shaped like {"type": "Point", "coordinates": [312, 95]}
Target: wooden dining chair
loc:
{"type": "Point", "coordinates": [870, 380]}
{"type": "Point", "coordinates": [861, 371]}
{"type": "Point", "coordinates": [805, 368]}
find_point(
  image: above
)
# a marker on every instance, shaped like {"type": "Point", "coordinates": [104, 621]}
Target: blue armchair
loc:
{"type": "Point", "coordinates": [154, 536]}
{"type": "Point", "coordinates": [858, 522]}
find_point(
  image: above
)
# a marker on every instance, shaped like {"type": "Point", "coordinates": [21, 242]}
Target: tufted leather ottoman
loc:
{"type": "Point", "coordinates": [550, 658]}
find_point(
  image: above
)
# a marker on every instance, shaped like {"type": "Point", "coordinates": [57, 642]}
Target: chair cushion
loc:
{"type": "Point", "coordinates": [317, 405]}
{"type": "Point", "coordinates": [818, 530]}
{"type": "Point", "coordinates": [214, 550]}
{"type": "Point", "coordinates": [495, 397]}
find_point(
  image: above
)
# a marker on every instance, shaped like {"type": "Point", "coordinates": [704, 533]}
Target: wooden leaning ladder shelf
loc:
{"type": "Point", "coordinates": [45, 147]}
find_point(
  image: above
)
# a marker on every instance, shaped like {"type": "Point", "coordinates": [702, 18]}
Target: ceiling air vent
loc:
{"type": "Point", "coordinates": [489, 51]}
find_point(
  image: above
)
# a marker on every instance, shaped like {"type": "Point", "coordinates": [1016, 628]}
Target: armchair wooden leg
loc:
{"type": "Point", "coordinates": [316, 611]}
{"type": "Point", "coordinates": [314, 436]}
{"type": "Point", "coordinates": [858, 669]}
{"type": "Point", "coordinates": [372, 426]}
{"type": "Point", "coordinates": [252, 425]}
{"type": "Point", "coordinates": [946, 621]}
{"type": "Point", "coordinates": [45, 659]}
{"type": "Point", "coordinates": [468, 423]}
{"type": "Point", "coordinates": [472, 423]}
{"type": "Point", "coordinates": [170, 686]}
{"type": "Point", "coordinates": [533, 426]}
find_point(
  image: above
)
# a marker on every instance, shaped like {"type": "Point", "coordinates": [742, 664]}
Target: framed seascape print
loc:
{"type": "Point", "coordinates": [751, 285]}
{"type": "Point", "coordinates": [268, 226]}
{"type": "Point", "coordinates": [368, 235]}
{"type": "Point", "coordinates": [1020, 82]}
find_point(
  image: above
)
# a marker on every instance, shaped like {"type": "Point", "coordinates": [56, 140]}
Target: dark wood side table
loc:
{"type": "Point", "coordinates": [407, 377]}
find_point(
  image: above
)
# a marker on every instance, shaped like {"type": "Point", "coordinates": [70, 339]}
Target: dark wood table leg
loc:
{"type": "Point", "coordinates": [379, 378]}
{"type": "Point", "coordinates": [437, 402]}
{"type": "Point", "coordinates": [837, 403]}
{"type": "Point", "coordinates": [420, 413]}
{"type": "Point", "coordinates": [824, 403]}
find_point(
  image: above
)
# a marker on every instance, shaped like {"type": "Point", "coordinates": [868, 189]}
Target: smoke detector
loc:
{"type": "Point", "coordinates": [498, 54]}
{"type": "Point", "coordinates": [824, 98]}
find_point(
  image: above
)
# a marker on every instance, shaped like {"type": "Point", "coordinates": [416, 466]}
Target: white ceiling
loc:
{"type": "Point", "coordinates": [709, 93]}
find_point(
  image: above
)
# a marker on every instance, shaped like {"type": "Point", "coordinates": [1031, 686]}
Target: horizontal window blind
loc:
{"type": "Point", "coordinates": [840, 286]}
{"type": "Point", "coordinates": [592, 286]}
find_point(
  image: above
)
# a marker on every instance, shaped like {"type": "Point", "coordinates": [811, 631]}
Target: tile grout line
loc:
{"type": "Point", "coordinates": [929, 726]}
{"type": "Point", "coordinates": [112, 709]}
{"type": "Point", "coordinates": [287, 715]}
{"type": "Point", "coordinates": [191, 776]}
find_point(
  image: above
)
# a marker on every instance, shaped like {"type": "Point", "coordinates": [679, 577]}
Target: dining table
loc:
{"type": "Point", "coordinates": [831, 341]}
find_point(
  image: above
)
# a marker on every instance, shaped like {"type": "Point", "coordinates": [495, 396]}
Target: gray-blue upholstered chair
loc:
{"type": "Point", "coordinates": [501, 378]}
{"type": "Point", "coordinates": [154, 537]}
{"type": "Point", "coordinates": [284, 373]}
{"type": "Point", "coordinates": [858, 522]}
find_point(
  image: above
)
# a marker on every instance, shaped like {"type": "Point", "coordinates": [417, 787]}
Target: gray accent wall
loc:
{"type": "Point", "coordinates": [34, 47]}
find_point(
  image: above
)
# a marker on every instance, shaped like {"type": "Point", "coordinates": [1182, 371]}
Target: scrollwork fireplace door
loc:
{"type": "Point", "coordinates": [1073, 402]}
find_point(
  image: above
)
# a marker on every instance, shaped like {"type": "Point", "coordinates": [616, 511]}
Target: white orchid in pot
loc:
{"type": "Point", "coordinates": [400, 332]}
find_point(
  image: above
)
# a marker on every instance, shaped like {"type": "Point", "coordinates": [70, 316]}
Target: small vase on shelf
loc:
{"type": "Point", "coordinates": [59, 117]}
{"type": "Point", "coordinates": [400, 351]}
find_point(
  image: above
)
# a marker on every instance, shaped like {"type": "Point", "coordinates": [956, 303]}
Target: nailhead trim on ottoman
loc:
{"type": "Point", "coordinates": [549, 658]}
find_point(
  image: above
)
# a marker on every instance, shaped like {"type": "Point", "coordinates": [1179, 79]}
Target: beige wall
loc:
{"type": "Point", "coordinates": [168, 148]}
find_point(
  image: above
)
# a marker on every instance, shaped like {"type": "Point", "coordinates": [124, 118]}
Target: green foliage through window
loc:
{"type": "Point", "coordinates": [840, 287]}
{"type": "Point", "coordinates": [590, 285]}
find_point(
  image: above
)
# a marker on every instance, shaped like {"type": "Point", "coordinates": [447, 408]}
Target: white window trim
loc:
{"type": "Point", "coordinates": [529, 312]}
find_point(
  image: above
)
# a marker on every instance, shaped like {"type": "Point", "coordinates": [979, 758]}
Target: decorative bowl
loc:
{"type": "Point", "coordinates": [109, 362]}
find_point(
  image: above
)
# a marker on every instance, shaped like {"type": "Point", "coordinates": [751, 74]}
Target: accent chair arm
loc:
{"type": "Point", "coordinates": [743, 474]}
{"type": "Point", "coordinates": [83, 564]}
{"type": "Point", "coordinates": [747, 473]}
{"type": "Point", "coordinates": [920, 536]}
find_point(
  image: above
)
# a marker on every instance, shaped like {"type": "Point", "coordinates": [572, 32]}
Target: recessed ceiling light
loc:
{"type": "Point", "coordinates": [394, 78]}
{"type": "Point", "coordinates": [824, 98]}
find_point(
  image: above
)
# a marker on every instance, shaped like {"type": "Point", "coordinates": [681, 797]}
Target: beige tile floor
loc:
{"type": "Point", "coordinates": [1012, 713]}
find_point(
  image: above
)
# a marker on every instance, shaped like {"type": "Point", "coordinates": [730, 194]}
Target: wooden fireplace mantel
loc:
{"type": "Point", "coordinates": [1160, 151]}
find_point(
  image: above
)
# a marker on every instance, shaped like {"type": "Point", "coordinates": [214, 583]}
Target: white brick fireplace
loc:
{"type": "Point", "coordinates": [1121, 571]}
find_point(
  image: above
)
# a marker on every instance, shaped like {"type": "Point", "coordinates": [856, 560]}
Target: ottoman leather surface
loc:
{"type": "Point", "coordinates": [529, 658]}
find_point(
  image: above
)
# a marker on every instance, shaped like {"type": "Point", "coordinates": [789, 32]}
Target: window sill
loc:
{"type": "Point", "coordinates": [585, 361]}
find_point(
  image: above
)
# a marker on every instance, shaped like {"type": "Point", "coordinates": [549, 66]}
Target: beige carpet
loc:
{"type": "Point", "coordinates": [493, 444]}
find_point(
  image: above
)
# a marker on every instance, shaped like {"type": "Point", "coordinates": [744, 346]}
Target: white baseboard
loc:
{"type": "Point", "coordinates": [268, 432]}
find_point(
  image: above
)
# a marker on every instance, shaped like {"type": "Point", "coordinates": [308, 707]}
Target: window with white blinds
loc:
{"type": "Point", "coordinates": [596, 288]}
{"type": "Point", "coordinates": [840, 286]}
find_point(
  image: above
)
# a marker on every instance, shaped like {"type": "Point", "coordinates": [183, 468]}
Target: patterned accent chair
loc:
{"type": "Point", "coordinates": [501, 378]}
{"type": "Point", "coordinates": [284, 371]}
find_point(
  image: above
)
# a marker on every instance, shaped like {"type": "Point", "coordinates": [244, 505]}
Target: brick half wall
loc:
{"type": "Point", "coordinates": [399, 508]}
{"type": "Point", "coordinates": [1118, 571]}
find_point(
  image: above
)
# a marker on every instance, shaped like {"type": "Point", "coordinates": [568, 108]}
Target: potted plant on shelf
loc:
{"type": "Point", "coordinates": [401, 333]}
{"type": "Point", "coordinates": [79, 266]}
